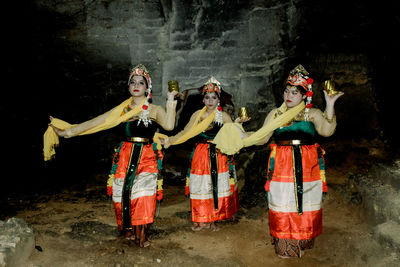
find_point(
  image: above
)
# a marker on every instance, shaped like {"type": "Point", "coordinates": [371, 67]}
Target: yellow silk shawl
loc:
{"type": "Point", "coordinates": [229, 140]}
{"type": "Point", "coordinates": [116, 116]}
{"type": "Point", "coordinates": [197, 127]}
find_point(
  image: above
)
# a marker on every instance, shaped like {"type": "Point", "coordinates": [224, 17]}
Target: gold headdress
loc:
{"type": "Point", "coordinates": [141, 70]}
{"type": "Point", "coordinates": [212, 85]}
{"type": "Point", "coordinates": [299, 76]}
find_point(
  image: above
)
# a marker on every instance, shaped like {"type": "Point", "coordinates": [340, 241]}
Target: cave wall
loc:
{"type": "Point", "coordinates": [243, 44]}
{"type": "Point", "coordinates": [249, 46]}
{"type": "Point", "coordinates": [73, 58]}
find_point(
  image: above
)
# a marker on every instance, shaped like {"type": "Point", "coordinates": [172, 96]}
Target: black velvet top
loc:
{"type": "Point", "coordinates": [132, 129]}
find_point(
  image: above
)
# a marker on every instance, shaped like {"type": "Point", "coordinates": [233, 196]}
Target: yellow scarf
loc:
{"type": "Point", "coordinates": [229, 141]}
{"type": "Point", "coordinates": [116, 116]}
{"type": "Point", "coordinates": [197, 127]}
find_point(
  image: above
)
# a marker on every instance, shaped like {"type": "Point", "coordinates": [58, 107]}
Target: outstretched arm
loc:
{"type": "Point", "coordinates": [172, 139]}
{"type": "Point", "coordinates": [80, 128]}
{"type": "Point", "coordinates": [269, 117]}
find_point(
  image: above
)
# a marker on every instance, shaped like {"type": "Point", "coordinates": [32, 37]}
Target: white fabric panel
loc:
{"type": "Point", "coordinates": [282, 196]}
{"type": "Point", "coordinates": [145, 184]}
{"type": "Point", "coordinates": [200, 186]}
{"type": "Point", "coordinates": [117, 189]}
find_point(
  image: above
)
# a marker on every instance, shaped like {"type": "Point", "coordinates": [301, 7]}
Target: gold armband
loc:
{"type": "Point", "coordinates": [328, 120]}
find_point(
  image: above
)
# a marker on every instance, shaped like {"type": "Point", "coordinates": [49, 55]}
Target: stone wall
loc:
{"type": "Point", "coordinates": [379, 197]}
{"type": "Point", "coordinates": [79, 53]}
{"type": "Point", "coordinates": [249, 46]}
{"type": "Point", "coordinates": [242, 43]}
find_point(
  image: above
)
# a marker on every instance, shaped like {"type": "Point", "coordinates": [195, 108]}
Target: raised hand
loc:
{"type": "Point", "coordinates": [242, 120]}
{"type": "Point", "coordinates": [330, 100]}
{"type": "Point", "coordinates": [171, 95]}
{"type": "Point", "coordinates": [58, 131]}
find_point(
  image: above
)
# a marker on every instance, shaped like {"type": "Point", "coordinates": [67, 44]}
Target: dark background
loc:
{"type": "Point", "coordinates": [37, 69]}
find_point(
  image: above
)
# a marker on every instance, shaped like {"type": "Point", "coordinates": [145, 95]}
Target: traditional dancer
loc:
{"type": "Point", "coordinates": [211, 180]}
{"type": "Point", "coordinates": [134, 182]}
{"type": "Point", "coordinates": [296, 172]}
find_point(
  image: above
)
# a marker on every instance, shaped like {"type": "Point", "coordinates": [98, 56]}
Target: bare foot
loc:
{"type": "Point", "coordinates": [146, 244]}
{"type": "Point", "coordinates": [196, 227]}
{"type": "Point", "coordinates": [214, 227]}
{"type": "Point", "coordinates": [200, 226]}
{"type": "Point", "coordinates": [129, 236]}
{"type": "Point", "coordinates": [284, 257]}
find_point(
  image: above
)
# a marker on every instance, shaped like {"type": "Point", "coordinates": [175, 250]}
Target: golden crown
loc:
{"type": "Point", "coordinates": [141, 70]}
{"type": "Point", "coordinates": [212, 85]}
{"type": "Point", "coordinates": [299, 76]}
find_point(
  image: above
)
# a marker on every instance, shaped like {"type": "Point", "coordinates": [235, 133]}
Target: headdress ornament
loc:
{"type": "Point", "coordinates": [213, 85]}
{"type": "Point", "coordinates": [299, 76]}
{"type": "Point", "coordinates": [141, 70]}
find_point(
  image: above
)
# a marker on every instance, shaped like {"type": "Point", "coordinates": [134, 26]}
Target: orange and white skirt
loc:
{"type": "Point", "coordinates": [285, 221]}
{"type": "Point", "coordinates": [142, 195]}
{"type": "Point", "coordinates": [201, 187]}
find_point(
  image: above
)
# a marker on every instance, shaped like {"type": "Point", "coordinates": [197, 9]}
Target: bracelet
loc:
{"type": "Point", "coordinates": [328, 120]}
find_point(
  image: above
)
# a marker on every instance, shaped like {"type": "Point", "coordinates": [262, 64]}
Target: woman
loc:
{"type": "Point", "coordinates": [134, 183]}
{"type": "Point", "coordinates": [211, 182]}
{"type": "Point", "coordinates": [296, 173]}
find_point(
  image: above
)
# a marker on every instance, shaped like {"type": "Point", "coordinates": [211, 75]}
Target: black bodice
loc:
{"type": "Point", "coordinates": [133, 129]}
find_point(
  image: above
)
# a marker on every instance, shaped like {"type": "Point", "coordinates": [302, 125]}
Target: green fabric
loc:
{"type": "Point", "coordinates": [304, 126]}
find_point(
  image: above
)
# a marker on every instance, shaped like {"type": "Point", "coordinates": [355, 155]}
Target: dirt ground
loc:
{"type": "Point", "coordinates": [78, 228]}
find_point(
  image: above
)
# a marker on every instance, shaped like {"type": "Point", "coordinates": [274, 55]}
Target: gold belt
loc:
{"type": "Point", "coordinates": [293, 142]}
{"type": "Point", "coordinates": [138, 139]}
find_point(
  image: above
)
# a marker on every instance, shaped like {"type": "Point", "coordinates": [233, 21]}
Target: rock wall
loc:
{"type": "Point", "coordinates": [249, 46]}
{"type": "Point", "coordinates": [78, 55]}
{"type": "Point", "coordinates": [243, 44]}
{"type": "Point", "coordinates": [378, 192]}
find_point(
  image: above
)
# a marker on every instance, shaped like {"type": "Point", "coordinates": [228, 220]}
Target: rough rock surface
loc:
{"type": "Point", "coordinates": [380, 193]}
{"type": "Point", "coordinates": [17, 242]}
